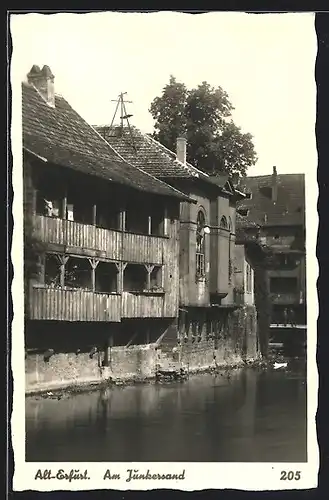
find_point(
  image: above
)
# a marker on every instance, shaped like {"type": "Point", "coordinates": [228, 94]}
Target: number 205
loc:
{"type": "Point", "coordinates": [290, 475]}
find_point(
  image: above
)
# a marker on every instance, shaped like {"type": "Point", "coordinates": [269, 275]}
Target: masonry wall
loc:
{"type": "Point", "coordinates": [235, 343]}
{"type": "Point", "coordinates": [71, 369]}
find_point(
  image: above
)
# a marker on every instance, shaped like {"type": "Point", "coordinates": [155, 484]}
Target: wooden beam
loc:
{"type": "Point", "coordinates": [63, 259]}
{"type": "Point", "coordinates": [94, 214]}
{"type": "Point", "coordinates": [64, 206]}
{"type": "Point", "coordinates": [94, 263]}
{"type": "Point", "coordinates": [149, 225]}
{"type": "Point", "coordinates": [123, 220]}
{"type": "Point", "coordinates": [165, 222]}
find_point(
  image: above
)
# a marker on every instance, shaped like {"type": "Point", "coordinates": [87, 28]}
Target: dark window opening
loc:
{"type": "Point", "coordinates": [107, 216]}
{"type": "Point", "coordinates": [78, 273]}
{"type": "Point", "coordinates": [157, 222]}
{"type": "Point", "coordinates": [52, 270]}
{"type": "Point", "coordinates": [283, 285]}
{"type": "Point", "coordinates": [156, 278]}
{"type": "Point", "coordinates": [134, 278]}
{"type": "Point", "coordinates": [106, 277]}
{"type": "Point", "coordinates": [137, 220]}
{"type": "Point", "coordinates": [79, 210]}
{"type": "Point", "coordinates": [146, 220]}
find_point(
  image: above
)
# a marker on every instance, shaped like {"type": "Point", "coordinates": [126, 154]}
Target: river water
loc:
{"type": "Point", "coordinates": [244, 415]}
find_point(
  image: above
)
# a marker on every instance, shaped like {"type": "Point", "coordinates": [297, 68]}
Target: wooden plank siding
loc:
{"type": "Point", "coordinates": [73, 305]}
{"type": "Point", "coordinates": [70, 237]}
{"type": "Point", "coordinates": [76, 235]}
{"type": "Point", "coordinates": [142, 306]}
{"type": "Point", "coordinates": [143, 248]}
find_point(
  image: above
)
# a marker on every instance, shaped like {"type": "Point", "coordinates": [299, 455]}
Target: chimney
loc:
{"type": "Point", "coordinates": [181, 149]}
{"type": "Point", "coordinates": [274, 185]}
{"type": "Point", "coordinates": [43, 81]}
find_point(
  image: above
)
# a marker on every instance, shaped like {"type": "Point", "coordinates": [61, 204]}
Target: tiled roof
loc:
{"type": "Point", "coordinates": [61, 136]}
{"type": "Point", "coordinates": [289, 208]}
{"type": "Point", "coordinates": [145, 152]}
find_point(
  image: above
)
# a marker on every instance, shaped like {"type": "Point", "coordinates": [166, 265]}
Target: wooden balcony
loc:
{"type": "Point", "coordinates": [88, 239]}
{"type": "Point", "coordinates": [142, 305]}
{"type": "Point", "coordinates": [47, 303]}
{"type": "Point", "coordinates": [143, 248]}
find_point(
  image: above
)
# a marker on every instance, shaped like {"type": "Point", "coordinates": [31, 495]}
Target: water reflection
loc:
{"type": "Point", "coordinates": [245, 415]}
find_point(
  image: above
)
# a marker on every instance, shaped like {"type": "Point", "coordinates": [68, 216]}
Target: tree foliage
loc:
{"type": "Point", "coordinates": [203, 115]}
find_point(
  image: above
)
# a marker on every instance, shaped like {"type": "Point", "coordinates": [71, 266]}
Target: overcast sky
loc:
{"type": "Point", "coordinates": [264, 62]}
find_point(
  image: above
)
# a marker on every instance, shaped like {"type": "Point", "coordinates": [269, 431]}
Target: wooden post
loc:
{"type": "Point", "coordinates": [94, 263]}
{"type": "Point", "coordinates": [149, 269]}
{"type": "Point", "coordinates": [123, 267]}
{"type": "Point", "coordinates": [64, 206]}
{"type": "Point", "coordinates": [119, 287]}
{"type": "Point", "coordinates": [165, 222]}
{"type": "Point", "coordinates": [123, 220]}
{"type": "Point", "coordinates": [94, 214]}
{"type": "Point", "coordinates": [63, 259]}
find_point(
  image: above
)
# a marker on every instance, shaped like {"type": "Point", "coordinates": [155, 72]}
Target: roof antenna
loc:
{"type": "Point", "coordinates": [123, 116]}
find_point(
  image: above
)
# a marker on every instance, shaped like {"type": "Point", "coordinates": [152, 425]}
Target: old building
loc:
{"type": "Point", "coordinates": [276, 212]}
{"type": "Point", "coordinates": [211, 315]}
{"type": "Point", "coordinates": [101, 246]}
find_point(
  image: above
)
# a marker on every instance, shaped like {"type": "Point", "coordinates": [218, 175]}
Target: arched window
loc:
{"type": "Point", "coordinates": [223, 222]}
{"type": "Point", "coordinates": [200, 245]}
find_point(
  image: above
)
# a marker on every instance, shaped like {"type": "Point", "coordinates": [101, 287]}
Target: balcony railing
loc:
{"type": "Point", "coordinates": [142, 248]}
{"type": "Point", "coordinates": [142, 305]}
{"type": "Point", "coordinates": [112, 244]}
{"type": "Point", "coordinates": [48, 303]}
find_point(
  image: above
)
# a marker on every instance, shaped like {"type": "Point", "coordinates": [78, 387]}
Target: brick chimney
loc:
{"type": "Point", "coordinates": [181, 149]}
{"type": "Point", "coordinates": [43, 81]}
{"type": "Point", "coordinates": [274, 185]}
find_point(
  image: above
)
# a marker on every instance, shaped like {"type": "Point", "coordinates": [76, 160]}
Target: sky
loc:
{"type": "Point", "coordinates": [265, 62]}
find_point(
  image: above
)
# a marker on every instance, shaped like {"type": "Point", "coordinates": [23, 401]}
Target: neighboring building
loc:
{"type": "Point", "coordinates": [106, 244]}
{"type": "Point", "coordinates": [209, 314]}
{"type": "Point", "coordinates": [276, 212]}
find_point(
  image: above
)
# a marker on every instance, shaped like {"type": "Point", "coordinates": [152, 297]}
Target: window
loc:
{"type": "Point", "coordinates": [248, 278]}
{"type": "Point", "coordinates": [223, 222]}
{"type": "Point", "coordinates": [106, 277]}
{"type": "Point", "coordinates": [230, 263]}
{"type": "Point", "coordinates": [107, 215]}
{"type": "Point", "coordinates": [78, 273]}
{"type": "Point", "coordinates": [200, 245]}
{"type": "Point", "coordinates": [52, 270]}
{"type": "Point", "coordinates": [148, 219]}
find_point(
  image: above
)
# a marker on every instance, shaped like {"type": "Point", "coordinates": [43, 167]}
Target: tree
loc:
{"type": "Point", "coordinates": [204, 116]}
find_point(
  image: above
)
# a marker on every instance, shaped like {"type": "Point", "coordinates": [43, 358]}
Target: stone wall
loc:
{"type": "Point", "coordinates": [232, 346]}
{"type": "Point", "coordinates": [236, 343]}
{"type": "Point", "coordinates": [70, 369]}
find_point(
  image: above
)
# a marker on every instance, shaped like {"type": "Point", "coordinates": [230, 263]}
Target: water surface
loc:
{"type": "Point", "coordinates": [245, 415]}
